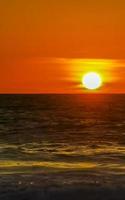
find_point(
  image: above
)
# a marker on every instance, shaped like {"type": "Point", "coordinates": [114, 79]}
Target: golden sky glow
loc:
{"type": "Point", "coordinates": [47, 46]}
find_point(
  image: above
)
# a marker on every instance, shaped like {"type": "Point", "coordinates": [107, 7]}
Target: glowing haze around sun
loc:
{"type": "Point", "coordinates": [92, 81]}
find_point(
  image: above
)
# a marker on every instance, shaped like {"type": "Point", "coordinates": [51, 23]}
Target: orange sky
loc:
{"type": "Point", "coordinates": [46, 45]}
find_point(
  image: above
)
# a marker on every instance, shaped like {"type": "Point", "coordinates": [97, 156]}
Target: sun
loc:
{"type": "Point", "coordinates": [92, 80]}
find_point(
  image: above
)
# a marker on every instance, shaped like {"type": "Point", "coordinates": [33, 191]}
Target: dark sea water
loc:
{"type": "Point", "coordinates": [53, 141]}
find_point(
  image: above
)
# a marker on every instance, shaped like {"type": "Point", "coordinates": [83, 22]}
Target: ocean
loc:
{"type": "Point", "coordinates": [62, 146]}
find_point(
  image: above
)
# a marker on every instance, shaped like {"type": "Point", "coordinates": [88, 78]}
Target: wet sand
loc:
{"type": "Point", "coordinates": [54, 187]}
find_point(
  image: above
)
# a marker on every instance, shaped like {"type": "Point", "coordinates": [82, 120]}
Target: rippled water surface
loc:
{"type": "Point", "coordinates": [59, 133]}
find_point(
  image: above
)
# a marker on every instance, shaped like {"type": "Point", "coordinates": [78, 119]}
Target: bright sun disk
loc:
{"type": "Point", "coordinates": [92, 80]}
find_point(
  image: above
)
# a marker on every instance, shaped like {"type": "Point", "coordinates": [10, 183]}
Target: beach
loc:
{"type": "Point", "coordinates": [40, 187]}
